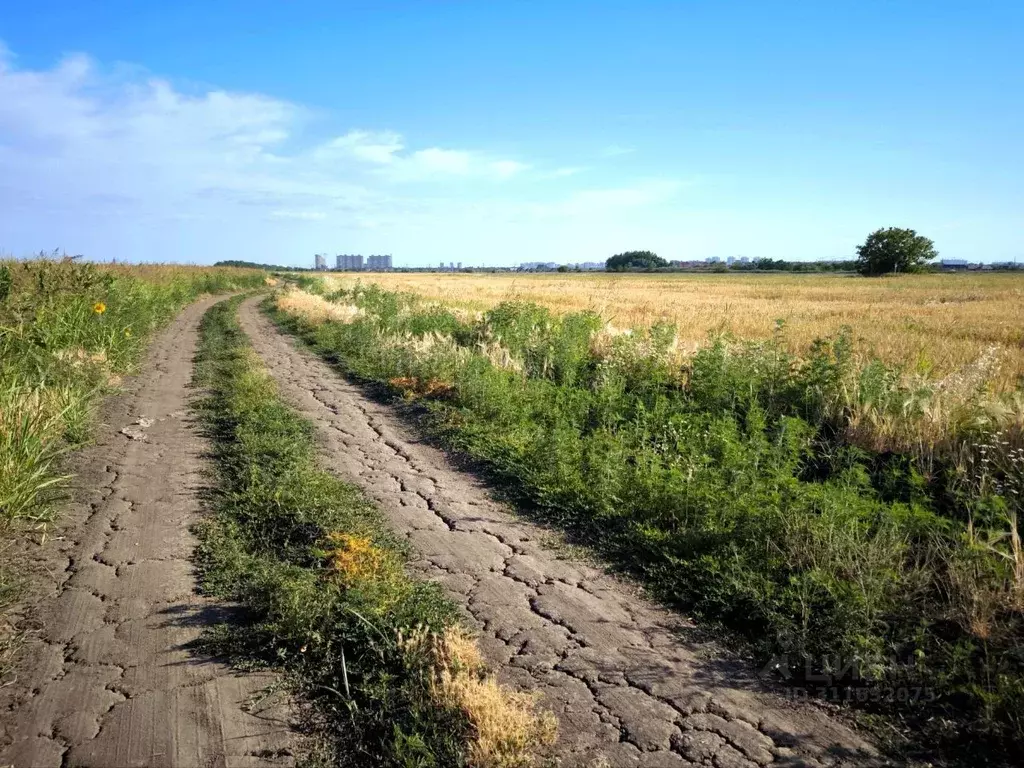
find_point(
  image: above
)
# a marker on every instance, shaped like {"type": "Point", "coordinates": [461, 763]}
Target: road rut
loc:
{"type": "Point", "coordinates": [627, 685]}
{"type": "Point", "coordinates": [108, 678]}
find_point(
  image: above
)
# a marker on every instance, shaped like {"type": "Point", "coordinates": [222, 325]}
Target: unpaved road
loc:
{"type": "Point", "coordinates": [108, 678]}
{"type": "Point", "coordinates": [627, 686]}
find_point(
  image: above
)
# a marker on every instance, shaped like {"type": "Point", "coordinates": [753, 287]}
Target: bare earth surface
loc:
{"type": "Point", "coordinates": [108, 678]}
{"type": "Point", "coordinates": [628, 686]}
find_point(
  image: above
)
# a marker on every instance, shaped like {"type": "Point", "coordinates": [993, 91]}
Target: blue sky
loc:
{"type": "Point", "coordinates": [494, 133]}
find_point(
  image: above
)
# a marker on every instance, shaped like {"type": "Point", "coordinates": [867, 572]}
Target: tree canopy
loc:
{"type": "Point", "coordinates": [635, 260]}
{"type": "Point", "coordinates": [894, 250]}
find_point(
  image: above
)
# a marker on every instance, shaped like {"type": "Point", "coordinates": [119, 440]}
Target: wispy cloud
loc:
{"type": "Point", "coordinates": [616, 150]}
{"type": "Point", "coordinates": [561, 173]}
{"type": "Point", "coordinates": [139, 167]}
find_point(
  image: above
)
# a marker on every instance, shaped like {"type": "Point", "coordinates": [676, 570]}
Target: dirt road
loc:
{"type": "Point", "coordinates": [628, 686]}
{"type": "Point", "coordinates": [108, 678]}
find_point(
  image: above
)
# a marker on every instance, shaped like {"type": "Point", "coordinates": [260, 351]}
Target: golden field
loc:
{"type": "Point", "coordinates": [931, 324]}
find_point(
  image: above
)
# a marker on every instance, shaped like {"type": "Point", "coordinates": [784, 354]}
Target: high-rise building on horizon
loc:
{"type": "Point", "coordinates": [380, 262]}
{"type": "Point", "coordinates": [320, 261]}
{"type": "Point", "coordinates": [350, 261]}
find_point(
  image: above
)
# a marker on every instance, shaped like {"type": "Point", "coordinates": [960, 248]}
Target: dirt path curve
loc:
{"type": "Point", "coordinates": [108, 679]}
{"type": "Point", "coordinates": [625, 683]}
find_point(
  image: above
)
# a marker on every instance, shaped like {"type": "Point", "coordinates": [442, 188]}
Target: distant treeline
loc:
{"type": "Point", "coordinates": [254, 265]}
{"type": "Point", "coordinates": [780, 265]}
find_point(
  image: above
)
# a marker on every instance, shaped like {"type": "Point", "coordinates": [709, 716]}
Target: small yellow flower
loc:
{"type": "Point", "coordinates": [99, 307]}
{"type": "Point", "coordinates": [127, 333]}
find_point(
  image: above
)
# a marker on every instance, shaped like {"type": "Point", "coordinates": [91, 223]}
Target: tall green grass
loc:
{"type": "Point", "coordinates": [740, 485]}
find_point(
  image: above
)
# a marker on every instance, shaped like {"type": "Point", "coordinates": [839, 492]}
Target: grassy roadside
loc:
{"type": "Point", "coordinates": [807, 502]}
{"type": "Point", "coordinates": [392, 677]}
{"type": "Point", "coordinates": [68, 331]}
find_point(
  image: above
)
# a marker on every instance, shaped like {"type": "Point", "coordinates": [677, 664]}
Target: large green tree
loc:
{"type": "Point", "coordinates": [894, 250]}
{"type": "Point", "coordinates": [634, 260]}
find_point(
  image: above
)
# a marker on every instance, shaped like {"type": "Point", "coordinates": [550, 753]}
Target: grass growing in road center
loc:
{"type": "Point", "coordinates": [394, 678]}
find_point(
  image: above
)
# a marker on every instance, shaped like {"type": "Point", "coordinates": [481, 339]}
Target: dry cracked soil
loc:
{"type": "Point", "coordinates": [108, 676]}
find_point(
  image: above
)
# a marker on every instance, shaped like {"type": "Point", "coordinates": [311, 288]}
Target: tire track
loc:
{"type": "Point", "coordinates": [628, 687]}
{"type": "Point", "coordinates": [108, 677]}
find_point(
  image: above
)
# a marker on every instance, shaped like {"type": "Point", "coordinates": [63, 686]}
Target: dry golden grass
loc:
{"type": "Point", "coordinates": [316, 309]}
{"type": "Point", "coordinates": [930, 324]}
{"type": "Point", "coordinates": [507, 725]}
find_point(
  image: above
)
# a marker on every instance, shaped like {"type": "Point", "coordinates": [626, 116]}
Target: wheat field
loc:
{"type": "Point", "coordinates": [932, 324]}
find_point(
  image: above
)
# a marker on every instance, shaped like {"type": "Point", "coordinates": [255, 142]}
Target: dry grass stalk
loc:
{"type": "Point", "coordinates": [507, 725]}
{"type": "Point", "coordinates": [316, 309]}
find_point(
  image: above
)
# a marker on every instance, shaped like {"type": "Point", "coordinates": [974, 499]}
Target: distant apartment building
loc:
{"type": "Point", "coordinates": [379, 262]}
{"type": "Point", "coordinates": [320, 261]}
{"type": "Point", "coordinates": [352, 262]}
{"type": "Point", "coordinates": [954, 265]}
{"type": "Point", "coordinates": [591, 266]}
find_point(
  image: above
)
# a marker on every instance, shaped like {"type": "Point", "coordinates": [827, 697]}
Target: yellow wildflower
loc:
{"type": "Point", "coordinates": [99, 307]}
{"type": "Point", "coordinates": [127, 333]}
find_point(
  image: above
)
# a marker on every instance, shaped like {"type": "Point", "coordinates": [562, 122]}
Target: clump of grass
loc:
{"type": "Point", "coordinates": [741, 483]}
{"type": "Point", "coordinates": [932, 324]}
{"type": "Point", "coordinates": [393, 679]}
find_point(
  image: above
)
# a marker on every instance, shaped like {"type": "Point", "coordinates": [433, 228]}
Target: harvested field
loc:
{"type": "Point", "coordinates": [931, 324]}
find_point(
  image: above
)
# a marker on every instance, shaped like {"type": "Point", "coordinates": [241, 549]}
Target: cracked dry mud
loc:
{"type": "Point", "coordinates": [107, 677]}
{"type": "Point", "coordinates": [627, 686]}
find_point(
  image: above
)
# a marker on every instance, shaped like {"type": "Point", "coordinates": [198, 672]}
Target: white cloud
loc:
{"type": "Point", "coordinates": [133, 167]}
{"type": "Point", "coordinates": [505, 169]}
{"type": "Point", "coordinates": [300, 215]}
{"type": "Point", "coordinates": [445, 161]}
{"type": "Point", "coordinates": [363, 145]}
{"type": "Point", "coordinates": [616, 150]}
